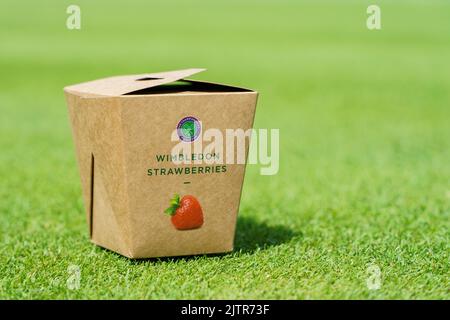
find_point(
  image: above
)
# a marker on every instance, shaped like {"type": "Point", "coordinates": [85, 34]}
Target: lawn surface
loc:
{"type": "Point", "coordinates": [364, 180]}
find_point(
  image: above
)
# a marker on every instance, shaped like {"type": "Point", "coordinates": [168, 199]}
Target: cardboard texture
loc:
{"type": "Point", "coordinates": [120, 127]}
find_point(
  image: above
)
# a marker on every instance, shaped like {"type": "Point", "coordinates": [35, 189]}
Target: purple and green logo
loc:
{"type": "Point", "coordinates": [189, 129]}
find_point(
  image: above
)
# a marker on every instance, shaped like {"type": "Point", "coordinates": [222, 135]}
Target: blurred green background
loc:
{"type": "Point", "coordinates": [365, 139]}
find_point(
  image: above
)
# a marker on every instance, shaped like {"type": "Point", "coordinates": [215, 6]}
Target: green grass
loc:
{"type": "Point", "coordinates": [365, 146]}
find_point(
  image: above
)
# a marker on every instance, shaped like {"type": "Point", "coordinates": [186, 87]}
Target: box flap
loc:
{"type": "Point", "coordinates": [120, 85]}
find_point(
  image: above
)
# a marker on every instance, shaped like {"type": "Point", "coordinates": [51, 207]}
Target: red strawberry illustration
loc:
{"type": "Point", "coordinates": [186, 212]}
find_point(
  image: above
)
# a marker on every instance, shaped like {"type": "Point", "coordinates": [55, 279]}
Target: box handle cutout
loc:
{"type": "Point", "coordinates": [148, 79]}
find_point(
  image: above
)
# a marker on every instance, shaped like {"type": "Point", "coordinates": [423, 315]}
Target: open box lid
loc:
{"type": "Point", "coordinates": [121, 85]}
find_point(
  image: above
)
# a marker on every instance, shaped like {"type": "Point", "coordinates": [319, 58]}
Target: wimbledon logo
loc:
{"type": "Point", "coordinates": [188, 129]}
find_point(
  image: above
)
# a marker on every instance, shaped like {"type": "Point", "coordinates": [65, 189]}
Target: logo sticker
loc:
{"type": "Point", "coordinates": [188, 129]}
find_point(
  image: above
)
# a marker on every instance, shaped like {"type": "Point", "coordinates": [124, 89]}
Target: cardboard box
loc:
{"type": "Point", "coordinates": [122, 128]}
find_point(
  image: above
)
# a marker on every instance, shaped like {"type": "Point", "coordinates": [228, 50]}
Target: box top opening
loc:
{"type": "Point", "coordinates": [186, 87]}
{"type": "Point", "coordinates": [170, 82]}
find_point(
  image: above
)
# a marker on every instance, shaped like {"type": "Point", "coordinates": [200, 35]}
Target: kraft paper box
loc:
{"type": "Point", "coordinates": [139, 202]}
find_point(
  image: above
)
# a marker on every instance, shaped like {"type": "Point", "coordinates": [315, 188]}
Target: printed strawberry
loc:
{"type": "Point", "coordinates": [186, 213]}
